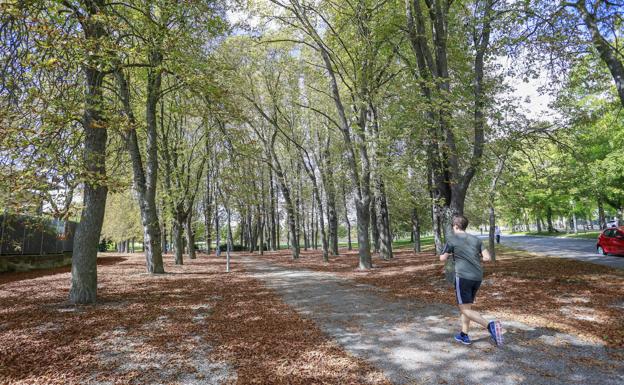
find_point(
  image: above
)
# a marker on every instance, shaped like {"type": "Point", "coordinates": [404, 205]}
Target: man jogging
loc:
{"type": "Point", "coordinates": [466, 249]}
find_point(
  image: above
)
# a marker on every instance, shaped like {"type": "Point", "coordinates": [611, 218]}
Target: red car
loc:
{"type": "Point", "coordinates": [611, 241]}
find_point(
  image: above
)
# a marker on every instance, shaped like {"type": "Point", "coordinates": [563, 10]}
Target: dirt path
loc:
{"type": "Point", "coordinates": [413, 343]}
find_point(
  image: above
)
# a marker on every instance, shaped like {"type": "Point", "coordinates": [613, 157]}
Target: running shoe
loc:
{"type": "Point", "coordinates": [463, 339]}
{"type": "Point", "coordinates": [496, 332]}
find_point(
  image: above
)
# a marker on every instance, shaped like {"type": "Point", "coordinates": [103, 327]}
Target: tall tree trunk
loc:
{"type": "Point", "coordinates": [190, 236]}
{"type": "Point", "coordinates": [319, 203]}
{"type": "Point", "coordinates": [549, 219]}
{"type": "Point", "coordinates": [601, 215]}
{"type": "Point", "coordinates": [272, 216]}
{"type": "Point", "coordinates": [229, 238]}
{"type": "Point", "coordinates": [374, 227]}
{"type": "Point", "coordinates": [87, 237]}
{"type": "Point", "coordinates": [208, 212]}
{"type": "Point", "coordinates": [492, 232]}
{"type": "Point", "coordinates": [347, 222]}
{"type": "Point", "coordinates": [217, 230]}
{"type": "Point", "coordinates": [178, 241]}
{"type": "Point", "coordinates": [449, 181]}
{"type": "Point", "coordinates": [416, 230]}
{"type": "Point", "coordinates": [383, 221]}
{"type": "Point", "coordinates": [290, 208]}
{"type": "Point", "coordinates": [145, 179]}
{"type": "Point", "coordinates": [605, 48]}
{"type": "Point", "coordinates": [330, 194]}
{"type": "Point", "coordinates": [163, 239]}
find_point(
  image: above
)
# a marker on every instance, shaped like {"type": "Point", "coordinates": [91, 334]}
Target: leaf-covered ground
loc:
{"type": "Point", "coordinates": [570, 296]}
{"type": "Point", "coordinates": [193, 325]}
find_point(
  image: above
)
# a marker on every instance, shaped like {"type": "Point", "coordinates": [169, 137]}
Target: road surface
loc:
{"type": "Point", "coordinates": [581, 249]}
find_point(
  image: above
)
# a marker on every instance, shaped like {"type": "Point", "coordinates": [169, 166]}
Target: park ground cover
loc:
{"type": "Point", "coordinates": [571, 296]}
{"type": "Point", "coordinates": [195, 324]}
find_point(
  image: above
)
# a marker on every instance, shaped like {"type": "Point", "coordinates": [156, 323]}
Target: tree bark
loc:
{"type": "Point", "coordinates": [84, 257]}
{"type": "Point", "coordinates": [375, 225]}
{"type": "Point", "coordinates": [601, 215]}
{"type": "Point", "coordinates": [383, 221]}
{"type": "Point", "coordinates": [330, 194]}
{"type": "Point", "coordinates": [416, 230]}
{"type": "Point", "coordinates": [549, 220]}
{"type": "Point", "coordinates": [492, 232]}
{"type": "Point", "coordinates": [290, 209]}
{"type": "Point", "coordinates": [272, 215]}
{"type": "Point", "coordinates": [607, 52]}
{"type": "Point", "coordinates": [347, 222]}
{"type": "Point", "coordinates": [190, 236]}
{"type": "Point", "coordinates": [178, 241]}
{"type": "Point", "coordinates": [229, 238]}
{"type": "Point", "coordinates": [449, 182]}
{"type": "Point", "coordinates": [144, 179]}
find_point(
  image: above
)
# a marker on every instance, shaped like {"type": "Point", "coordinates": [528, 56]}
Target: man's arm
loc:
{"type": "Point", "coordinates": [446, 252]}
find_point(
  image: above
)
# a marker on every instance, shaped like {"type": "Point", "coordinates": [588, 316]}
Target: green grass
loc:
{"type": "Point", "coordinates": [400, 244]}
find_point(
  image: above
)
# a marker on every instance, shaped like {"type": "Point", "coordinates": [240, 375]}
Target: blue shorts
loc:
{"type": "Point", "coordinates": [466, 290]}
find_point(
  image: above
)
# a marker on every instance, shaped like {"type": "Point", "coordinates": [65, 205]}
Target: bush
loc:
{"type": "Point", "coordinates": [223, 247]}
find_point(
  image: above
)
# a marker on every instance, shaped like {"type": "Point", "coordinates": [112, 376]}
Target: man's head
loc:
{"type": "Point", "coordinates": [460, 222]}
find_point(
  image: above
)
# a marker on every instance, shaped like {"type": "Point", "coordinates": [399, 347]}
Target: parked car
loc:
{"type": "Point", "coordinates": [611, 241]}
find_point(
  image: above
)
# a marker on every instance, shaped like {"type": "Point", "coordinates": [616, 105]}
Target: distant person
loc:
{"type": "Point", "coordinates": [467, 250]}
{"type": "Point", "coordinates": [497, 232]}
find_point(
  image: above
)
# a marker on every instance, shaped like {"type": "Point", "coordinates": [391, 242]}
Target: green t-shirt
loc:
{"type": "Point", "coordinates": [467, 250]}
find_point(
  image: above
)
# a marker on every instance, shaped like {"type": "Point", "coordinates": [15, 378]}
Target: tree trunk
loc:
{"type": "Point", "coordinates": [84, 257]}
{"type": "Point", "coordinates": [374, 227]}
{"type": "Point", "coordinates": [229, 238]}
{"type": "Point", "coordinates": [347, 222]}
{"type": "Point", "coordinates": [217, 231]}
{"type": "Point", "coordinates": [606, 49]}
{"type": "Point", "coordinates": [330, 194]}
{"type": "Point", "coordinates": [436, 226]}
{"type": "Point", "coordinates": [362, 209]}
{"type": "Point", "coordinates": [272, 216]}
{"type": "Point", "coordinates": [492, 233]}
{"type": "Point", "coordinates": [290, 209]}
{"type": "Point", "coordinates": [538, 222]}
{"type": "Point", "coordinates": [145, 179]}
{"type": "Point", "coordinates": [208, 213]}
{"type": "Point", "coordinates": [178, 241]}
{"type": "Point", "coordinates": [549, 220]}
{"type": "Point", "coordinates": [383, 221]}
{"type": "Point", "coordinates": [416, 230]}
{"type": "Point", "coordinates": [601, 215]}
{"type": "Point", "coordinates": [190, 236]}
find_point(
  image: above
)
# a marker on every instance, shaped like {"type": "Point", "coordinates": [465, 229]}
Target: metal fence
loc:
{"type": "Point", "coordinates": [23, 235]}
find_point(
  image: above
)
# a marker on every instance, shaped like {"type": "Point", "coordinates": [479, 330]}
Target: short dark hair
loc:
{"type": "Point", "coordinates": [460, 221]}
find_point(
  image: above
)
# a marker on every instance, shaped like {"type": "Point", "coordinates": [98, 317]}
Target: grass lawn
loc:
{"type": "Point", "coordinates": [398, 244]}
{"type": "Point", "coordinates": [582, 235]}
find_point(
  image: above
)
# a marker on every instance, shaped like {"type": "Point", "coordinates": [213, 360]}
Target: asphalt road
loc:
{"type": "Point", "coordinates": [581, 249]}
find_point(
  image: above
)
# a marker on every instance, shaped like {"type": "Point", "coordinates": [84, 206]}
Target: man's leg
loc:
{"type": "Point", "coordinates": [471, 315]}
{"type": "Point", "coordinates": [465, 323]}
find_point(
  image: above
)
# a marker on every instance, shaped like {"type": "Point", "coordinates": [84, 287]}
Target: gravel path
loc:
{"type": "Point", "coordinates": [581, 249]}
{"type": "Point", "coordinates": [413, 343]}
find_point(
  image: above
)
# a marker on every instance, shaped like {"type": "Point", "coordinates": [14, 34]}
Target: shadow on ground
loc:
{"type": "Point", "coordinates": [413, 342]}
